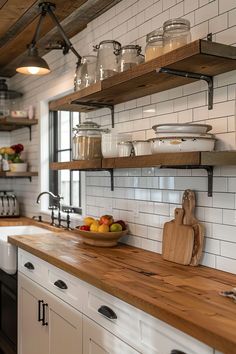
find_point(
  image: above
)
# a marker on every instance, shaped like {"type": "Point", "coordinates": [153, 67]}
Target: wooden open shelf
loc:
{"type": "Point", "coordinates": [9, 123]}
{"type": "Point", "coordinates": [18, 174]}
{"type": "Point", "coordinates": [199, 57]}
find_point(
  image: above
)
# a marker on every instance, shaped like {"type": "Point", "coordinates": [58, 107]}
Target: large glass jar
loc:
{"type": "Point", "coordinates": [107, 59]}
{"type": "Point", "coordinates": [176, 33]}
{"type": "Point", "coordinates": [87, 141]}
{"type": "Point", "coordinates": [130, 56]}
{"type": "Point", "coordinates": [154, 46]}
{"type": "Point", "coordinates": [85, 72]}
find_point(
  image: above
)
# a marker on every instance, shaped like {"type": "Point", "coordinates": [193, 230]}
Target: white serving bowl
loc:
{"type": "Point", "coordinates": [187, 144]}
{"type": "Point", "coordinates": [184, 135]}
{"type": "Point", "coordinates": [18, 167]}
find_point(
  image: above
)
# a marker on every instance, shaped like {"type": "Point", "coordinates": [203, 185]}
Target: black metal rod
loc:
{"type": "Point", "coordinates": [61, 30]}
{"type": "Point", "coordinates": [37, 31]}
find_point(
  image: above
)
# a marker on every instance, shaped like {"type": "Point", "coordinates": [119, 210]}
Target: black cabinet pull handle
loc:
{"type": "Point", "coordinates": [29, 265]}
{"type": "Point", "coordinates": [44, 322]}
{"type": "Point", "coordinates": [107, 312]}
{"type": "Point", "coordinates": [176, 351]}
{"type": "Point", "coordinates": [40, 319]}
{"type": "Point", "coordinates": [61, 284]}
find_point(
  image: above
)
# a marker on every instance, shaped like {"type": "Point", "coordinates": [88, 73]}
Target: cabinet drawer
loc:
{"type": "Point", "coordinates": [66, 287]}
{"type": "Point", "coordinates": [143, 332]}
{"type": "Point", "coordinates": [32, 267]}
{"type": "Point", "coordinates": [97, 340]}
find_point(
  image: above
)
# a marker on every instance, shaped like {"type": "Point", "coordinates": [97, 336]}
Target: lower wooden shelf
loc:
{"type": "Point", "coordinates": [18, 174]}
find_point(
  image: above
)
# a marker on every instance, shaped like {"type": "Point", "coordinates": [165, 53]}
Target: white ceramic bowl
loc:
{"type": "Point", "coordinates": [184, 135]}
{"type": "Point", "coordinates": [142, 147]}
{"type": "Point", "coordinates": [159, 145]}
{"type": "Point", "coordinates": [182, 128]}
{"type": "Point", "coordinates": [18, 167]}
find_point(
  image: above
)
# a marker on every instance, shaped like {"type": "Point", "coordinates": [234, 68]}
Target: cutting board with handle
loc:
{"type": "Point", "coordinates": [178, 239]}
{"type": "Point", "coordinates": [188, 204]}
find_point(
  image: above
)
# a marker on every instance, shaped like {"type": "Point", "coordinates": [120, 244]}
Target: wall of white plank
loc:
{"type": "Point", "coordinates": [146, 198]}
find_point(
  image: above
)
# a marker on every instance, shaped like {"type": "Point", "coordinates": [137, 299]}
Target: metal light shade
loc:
{"type": "Point", "coordinates": [33, 64]}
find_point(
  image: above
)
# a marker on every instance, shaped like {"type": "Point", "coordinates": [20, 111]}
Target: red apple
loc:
{"type": "Point", "coordinates": [85, 228]}
{"type": "Point", "coordinates": [106, 219]}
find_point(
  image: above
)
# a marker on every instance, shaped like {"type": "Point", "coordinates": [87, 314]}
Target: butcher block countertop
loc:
{"type": "Point", "coordinates": [183, 296]}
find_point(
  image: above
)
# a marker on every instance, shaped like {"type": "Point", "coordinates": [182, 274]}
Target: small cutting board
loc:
{"type": "Point", "coordinates": [188, 204]}
{"type": "Point", "coordinates": [178, 240]}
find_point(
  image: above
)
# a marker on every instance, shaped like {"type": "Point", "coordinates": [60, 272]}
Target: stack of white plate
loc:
{"type": "Point", "coordinates": [182, 138]}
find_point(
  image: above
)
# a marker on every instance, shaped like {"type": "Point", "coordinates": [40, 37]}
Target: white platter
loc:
{"type": "Point", "coordinates": [182, 128]}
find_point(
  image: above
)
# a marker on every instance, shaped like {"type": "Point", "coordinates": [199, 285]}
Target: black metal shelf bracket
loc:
{"type": "Point", "coordinates": [209, 170]}
{"type": "Point", "coordinates": [207, 78]}
{"type": "Point", "coordinates": [98, 105]}
{"type": "Point", "coordinates": [110, 170]}
{"type": "Point", "coordinates": [30, 132]}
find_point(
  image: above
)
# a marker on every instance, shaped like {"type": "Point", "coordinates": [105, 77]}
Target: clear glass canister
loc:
{"type": "Point", "coordinates": [85, 72]}
{"type": "Point", "coordinates": [154, 46]}
{"type": "Point", "coordinates": [87, 141]}
{"type": "Point", "coordinates": [108, 54]}
{"type": "Point", "coordinates": [176, 33]}
{"type": "Point", "coordinates": [130, 56]}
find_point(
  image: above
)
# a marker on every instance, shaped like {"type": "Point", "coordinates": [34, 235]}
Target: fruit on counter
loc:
{"type": "Point", "coordinates": [84, 228]}
{"type": "Point", "coordinates": [122, 224]}
{"type": "Point", "coordinates": [88, 220]}
{"type": "Point", "coordinates": [103, 228]}
{"type": "Point", "coordinates": [94, 226]}
{"type": "Point", "coordinates": [106, 219]}
{"type": "Point", "coordinates": [115, 227]}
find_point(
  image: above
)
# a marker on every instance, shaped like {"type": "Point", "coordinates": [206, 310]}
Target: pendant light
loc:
{"type": "Point", "coordinates": [33, 64]}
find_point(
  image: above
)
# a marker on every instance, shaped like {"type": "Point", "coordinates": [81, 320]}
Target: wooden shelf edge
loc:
{"type": "Point", "coordinates": [8, 121]}
{"type": "Point", "coordinates": [77, 165]}
{"type": "Point", "coordinates": [218, 158]}
{"type": "Point", "coordinates": [18, 174]}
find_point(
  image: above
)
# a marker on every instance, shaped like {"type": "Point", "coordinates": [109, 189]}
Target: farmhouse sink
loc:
{"type": "Point", "coordinates": [8, 255]}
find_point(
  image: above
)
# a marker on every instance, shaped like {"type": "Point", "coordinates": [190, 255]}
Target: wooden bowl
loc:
{"type": "Point", "coordinates": [101, 239]}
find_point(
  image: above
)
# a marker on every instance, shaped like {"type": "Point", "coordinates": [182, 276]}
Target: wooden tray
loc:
{"type": "Point", "coordinates": [101, 239]}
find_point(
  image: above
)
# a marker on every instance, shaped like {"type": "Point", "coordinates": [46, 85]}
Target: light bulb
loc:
{"type": "Point", "coordinates": [33, 70]}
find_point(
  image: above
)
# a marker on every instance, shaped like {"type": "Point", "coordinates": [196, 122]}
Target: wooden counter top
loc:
{"type": "Point", "coordinates": [185, 297]}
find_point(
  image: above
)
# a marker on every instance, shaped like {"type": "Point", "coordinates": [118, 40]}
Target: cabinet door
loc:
{"type": "Point", "coordinates": [65, 327]}
{"type": "Point", "coordinates": [97, 340]}
{"type": "Point", "coordinates": [32, 335]}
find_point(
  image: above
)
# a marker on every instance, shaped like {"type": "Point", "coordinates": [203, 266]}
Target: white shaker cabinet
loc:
{"type": "Point", "coordinates": [45, 323]}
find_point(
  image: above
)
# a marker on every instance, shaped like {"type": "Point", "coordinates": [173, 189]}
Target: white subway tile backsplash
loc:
{"type": "Point", "coordinates": [146, 198]}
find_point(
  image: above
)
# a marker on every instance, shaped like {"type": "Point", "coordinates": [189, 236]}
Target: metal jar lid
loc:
{"type": "Point", "coordinates": [132, 47]}
{"type": "Point", "coordinates": [176, 23]}
{"type": "Point", "coordinates": [156, 35]}
{"type": "Point", "coordinates": [89, 125]}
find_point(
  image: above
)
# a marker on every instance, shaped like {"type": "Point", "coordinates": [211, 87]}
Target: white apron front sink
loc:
{"type": "Point", "coordinates": [8, 254]}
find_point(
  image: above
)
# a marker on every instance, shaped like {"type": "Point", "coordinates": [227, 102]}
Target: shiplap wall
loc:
{"type": "Point", "coordinates": [146, 198]}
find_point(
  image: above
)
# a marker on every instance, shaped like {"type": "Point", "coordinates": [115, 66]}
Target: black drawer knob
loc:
{"type": "Point", "coordinates": [29, 265]}
{"type": "Point", "coordinates": [61, 284]}
{"type": "Point", "coordinates": [175, 351]}
{"type": "Point", "coordinates": [107, 312]}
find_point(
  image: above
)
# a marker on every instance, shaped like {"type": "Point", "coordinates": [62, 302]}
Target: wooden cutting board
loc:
{"type": "Point", "coordinates": [188, 204]}
{"type": "Point", "coordinates": [178, 239]}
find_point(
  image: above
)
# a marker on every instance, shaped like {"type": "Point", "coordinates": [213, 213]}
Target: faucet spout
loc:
{"type": "Point", "coordinates": [55, 197]}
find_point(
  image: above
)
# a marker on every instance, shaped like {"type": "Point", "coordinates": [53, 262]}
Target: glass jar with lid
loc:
{"type": "Point", "coordinates": [87, 141]}
{"type": "Point", "coordinates": [130, 56]}
{"type": "Point", "coordinates": [176, 33]}
{"type": "Point", "coordinates": [154, 46]}
{"type": "Point", "coordinates": [85, 72]}
{"type": "Point", "coordinates": [108, 54]}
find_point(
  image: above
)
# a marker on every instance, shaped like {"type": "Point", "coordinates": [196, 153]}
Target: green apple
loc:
{"type": "Point", "coordinates": [115, 227]}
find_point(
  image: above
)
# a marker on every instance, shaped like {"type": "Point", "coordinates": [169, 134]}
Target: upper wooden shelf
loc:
{"type": "Point", "coordinates": [10, 123]}
{"type": "Point", "coordinates": [199, 57]}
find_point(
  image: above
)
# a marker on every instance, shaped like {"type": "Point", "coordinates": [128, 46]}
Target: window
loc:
{"type": "Point", "coordinates": [66, 183]}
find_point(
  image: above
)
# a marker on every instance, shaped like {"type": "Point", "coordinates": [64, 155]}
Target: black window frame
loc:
{"type": "Point", "coordinates": [54, 151]}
